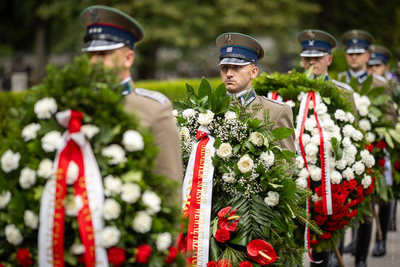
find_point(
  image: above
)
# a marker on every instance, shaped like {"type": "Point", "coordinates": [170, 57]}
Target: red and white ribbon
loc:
{"type": "Point", "coordinates": [274, 96]}
{"type": "Point", "coordinates": [302, 116]}
{"type": "Point", "coordinates": [89, 187]}
{"type": "Point", "coordinates": [197, 198]}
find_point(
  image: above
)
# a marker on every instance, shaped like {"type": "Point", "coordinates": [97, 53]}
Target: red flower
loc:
{"type": "Point", "coordinates": [245, 264]}
{"type": "Point", "coordinates": [228, 223]}
{"type": "Point", "coordinates": [360, 199]}
{"type": "Point", "coordinates": [326, 235]}
{"type": "Point", "coordinates": [24, 257]}
{"type": "Point", "coordinates": [261, 252]}
{"type": "Point", "coordinates": [342, 224]}
{"type": "Point", "coordinates": [370, 188]}
{"type": "Point", "coordinates": [381, 144]}
{"type": "Point", "coordinates": [143, 254]}
{"type": "Point", "coordinates": [320, 219]}
{"type": "Point", "coordinates": [318, 191]}
{"type": "Point", "coordinates": [224, 211]}
{"type": "Point", "coordinates": [116, 256]}
{"type": "Point", "coordinates": [318, 207]}
{"type": "Point", "coordinates": [173, 252]}
{"type": "Point", "coordinates": [381, 162]}
{"type": "Point", "coordinates": [352, 184]}
{"type": "Point", "coordinates": [352, 203]}
{"type": "Point", "coordinates": [397, 165]}
{"type": "Point", "coordinates": [1, 265]}
{"type": "Point", "coordinates": [212, 264]}
{"type": "Point", "coordinates": [340, 199]}
{"type": "Point", "coordinates": [224, 263]}
{"type": "Point", "coordinates": [314, 242]}
{"type": "Point", "coordinates": [352, 214]}
{"type": "Point", "coordinates": [222, 235]}
{"type": "Point", "coordinates": [337, 217]}
{"type": "Point", "coordinates": [182, 245]}
{"type": "Point", "coordinates": [369, 147]}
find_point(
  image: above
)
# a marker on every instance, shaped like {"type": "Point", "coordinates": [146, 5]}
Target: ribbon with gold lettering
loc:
{"type": "Point", "coordinates": [88, 187]}
{"type": "Point", "coordinates": [197, 197]}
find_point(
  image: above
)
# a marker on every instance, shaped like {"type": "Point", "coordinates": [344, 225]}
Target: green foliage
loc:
{"type": "Point", "coordinates": [9, 115]}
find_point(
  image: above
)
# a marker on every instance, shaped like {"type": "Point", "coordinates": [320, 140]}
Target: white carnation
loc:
{"type": "Point", "coordinates": [30, 219]}
{"type": "Point", "coordinates": [113, 186]}
{"type": "Point", "coordinates": [256, 139]}
{"type": "Point", "coordinates": [351, 150]}
{"type": "Point", "coordinates": [90, 130]}
{"type": "Point", "coordinates": [184, 133]}
{"type": "Point", "coordinates": [152, 202]}
{"type": "Point", "coordinates": [224, 151]}
{"type": "Point", "coordinates": [77, 249]}
{"type": "Point", "coordinates": [206, 118]}
{"type": "Point", "coordinates": [366, 181]}
{"type": "Point", "coordinates": [321, 109]}
{"type": "Point", "coordinates": [346, 142]}
{"type": "Point", "coordinates": [13, 235]}
{"type": "Point", "coordinates": [272, 199]}
{"type": "Point", "coordinates": [348, 174]}
{"type": "Point", "coordinates": [316, 140]}
{"type": "Point", "coordinates": [27, 178]}
{"type": "Point", "coordinates": [306, 138]}
{"type": "Point", "coordinates": [350, 117]}
{"type": "Point", "coordinates": [370, 137]}
{"type": "Point", "coordinates": [341, 164]}
{"type": "Point", "coordinates": [111, 209]}
{"type": "Point", "coordinates": [311, 149]}
{"type": "Point", "coordinates": [45, 169]}
{"type": "Point", "coordinates": [268, 157]}
{"type": "Point", "coordinates": [230, 115]}
{"type": "Point", "coordinates": [363, 111]}
{"type": "Point", "coordinates": [310, 124]}
{"type": "Point", "coordinates": [30, 131]}
{"type": "Point", "coordinates": [72, 173]}
{"type": "Point", "coordinates": [290, 103]}
{"type": "Point", "coordinates": [299, 162]}
{"type": "Point", "coordinates": [350, 159]}
{"type": "Point", "coordinates": [365, 125]}
{"type": "Point", "coordinates": [45, 107]}
{"type": "Point", "coordinates": [110, 236]}
{"type": "Point", "coordinates": [316, 174]}
{"type": "Point", "coordinates": [130, 193]}
{"type": "Point", "coordinates": [364, 154]}
{"type": "Point", "coordinates": [324, 117]}
{"type": "Point", "coordinates": [73, 205]}
{"type": "Point", "coordinates": [175, 113]}
{"type": "Point", "coordinates": [312, 159]}
{"type": "Point", "coordinates": [340, 115]}
{"type": "Point", "coordinates": [10, 161]}
{"type": "Point", "coordinates": [358, 167]}
{"type": "Point", "coordinates": [357, 136]}
{"type": "Point", "coordinates": [188, 113]}
{"type": "Point", "coordinates": [229, 178]}
{"type": "Point", "coordinates": [328, 125]}
{"type": "Point", "coordinates": [164, 241]}
{"type": "Point", "coordinates": [370, 161]}
{"type": "Point", "coordinates": [116, 154]}
{"type": "Point", "coordinates": [303, 174]}
{"type": "Point", "coordinates": [51, 141]}
{"type": "Point", "coordinates": [142, 222]}
{"type": "Point", "coordinates": [245, 164]}
{"type": "Point", "coordinates": [336, 177]}
{"type": "Point", "coordinates": [5, 198]}
{"type": "Point", "coordinates": [301, 183]}
{"type": "Point", "coordinates": [348, 130]}
{"type": "Point", "coordinates": [132, 141]}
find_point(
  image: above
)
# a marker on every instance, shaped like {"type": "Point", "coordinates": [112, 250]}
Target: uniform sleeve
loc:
{"type": "Point", "coordinates": [169, 160]}
{"type": "Point", "coordinates": [285, 119]}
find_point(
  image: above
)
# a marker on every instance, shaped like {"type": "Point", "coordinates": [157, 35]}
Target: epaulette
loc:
{"type": "Point", "coordinates": [273, 101]}
{"type": "Point", "coordinates": [380, 78]}
{"type": "Point", "coordinates": [157, 96]}
{"type": "Point", "coordinates": [343, 85]}
{"type": "Point", "coordinates": [342, 74]}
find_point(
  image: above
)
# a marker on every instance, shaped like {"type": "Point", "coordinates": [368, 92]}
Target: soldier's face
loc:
{"type": "Point", "coordinates": [377, 69]}
{"type": "Point", "coordinates": [358, 61]}
{"type": "Point", "coordinates": [238, 78]}
{"type": "Point", "coordinates": [320, 64]}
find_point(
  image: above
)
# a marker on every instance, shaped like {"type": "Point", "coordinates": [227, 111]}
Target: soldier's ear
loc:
{"type": "Point", "coordinates": [129, 57]}
{"type": "Point", "coordinates": [330, 58]}
{"type": "Point", "coordinates": [254, 72]}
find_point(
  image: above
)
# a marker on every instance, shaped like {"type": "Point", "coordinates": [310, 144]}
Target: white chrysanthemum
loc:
{"type": "Point", "coordinates": [365, 125]}
{"type": "Point", "coordinates": [30, 131]}
{"type": "Point", "coordinates": [132, 141]}
{"type": "Point", "coordinates": [142, 222]}
{"type": "Point", "coordinates": [311, 149]}
{"type": "Point", "coordinates": [111, 209]}
{"type": "Point", "coordinates": [10, 161]}
{"type": "Point", "coordinates": [359, 167]}
{"type": "Point", "coordinates": [72, 173]}
{"type": "Point", "coordinates": [206, 118]}
{"type": "Point", "coordinates": [110, 236]}
{"type": "Point", "coordinates": [350, 117]}
{"type": "Point", "coordinates": [230, 115]}
{"type": "Point", "coordinates": [51, 141]}
{"type": "Point", "coordinates": [5, 198]}
{"type": "Point", "coordinates": [245, 164]}
{"type": "Point", "coordinates": [152, 202]}
{"type": "Point", "coordinates": [299, 162]}
{"type": "Point", "coordinates": [13, 235]}
{"type": "Point", "coordinates": [341, 115]}
{"type": "Point", "coordinates": [30, 219]}
{"type": "Point", "coordinates": [112, 185]}
{"type": "Point", "coordinates": [348, 174]}
{"type": "Point", "coordinates": [224, 151]}
{"type": "Point", "coordinates": [116, 154]}
{"type": "Point", "coordinates": [336, 177]}
{"type": "Point", "coordinates": [357, 136]}
{"type": "Point", "coordinates": [164, 240]}
{"type": "Point", "coordinates": [45, 169]}
{"type": "Point", "coordinates": [321, 108]}
{"type": "Point", "coordinates": [130, 193]}
{"type": "Point", "coordinates": [188, 113]}
{"type": "Point", "coordinates": [301, 183]}
{"type": "Point", "coordinates": [272, 199]}
{"type": "Point", "coordinates": [366, 181]}
{"type": "Point", "coordinates": [45, 107]}
{"type": "Point", "coordinates": [268, 157]}
{"type": "Point", "coordinates": [316, 174]}
{"type": "Point", "coordinates": [90, 130]}
{"type": "Point", "coordinates": [27, 178]}
{"type": "Point", "coordinates": [348, 130]}
{"type": "Point", "coordinates": [370, 137]}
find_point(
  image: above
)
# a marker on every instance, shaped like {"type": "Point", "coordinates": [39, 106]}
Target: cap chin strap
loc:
{"type": "Point", "coordinates": [239, 56]}
{"type": "Point", "coordinates": [107, 37]}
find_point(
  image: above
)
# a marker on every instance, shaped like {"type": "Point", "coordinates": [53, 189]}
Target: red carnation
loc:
{"type": "Point", "coordinates": [318, 207]}
{"type": "Point", "coordinates": [314, 242]}
{"type": "Point", "coordinates": [352, 184]}
{"type": "Point", "coordinates": [320, 219]}
{"type": "Point", "coordinates": [182, 244]}
{"type": "Point", "coordinates": [326, 235]}
{"type": "Point", "coordinates": [24, 257]}
{"type": "Point", "coordinates": [381, 144]}
{"type": "Point", "coordinates": [222, 235]}
{"type": "Point", "coordinates": [337, 217]}
{"type": "Point", "coordinates": [116, 256]}
{"type": "Point", "coordinates": [261, 252]}
{"type": "Point", "coordinates": [173, 252]}
{"type": "Point", "coordinates": [352, 203]}
{"type": "Point", "coordinates": [381, 162]}
{"type": "Point", "coordinates": [360, 199]}
{"type": "Point", "coordinates": [369, 147]}
{"type": "Point", "coordinates": [224, 263]}
{"type": "Point", "coordinates": [370, 188]}
{"type": "Point", "coordinates": [245, 264]}
{"type": "Point", "coordinates": [318, 191]}
{"type": "Point", "coordinates": [397, 165]}
{"type": "Point", "coordinates": [352, 214]}
{"type": "Point", "coordinates": [340, 199]}
{"type": "Point", "coordinates": [212, 264]}
{"type": "Point", "coordinates": [143, 254]}
{"type": "Point", "coordinates": [342, 224]}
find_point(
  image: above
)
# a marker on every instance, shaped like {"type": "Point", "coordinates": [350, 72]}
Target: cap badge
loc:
{"type": "Point", "coordinates": [354, 41]}
{"type": "Point", "coordinates": [94, 15]}
{"type": "Point", "coordinates": [229, 49]}
{"type": "Point", "coordinates": [311, 42]}
{"type": "Point", "coordinates": [373, 54]}
{"type": "Point", "coordinates": [311, 34]}
{"type": "Point", "coordinates": [229, 40]}
{"type": "Point", "coordinates": [355, 32]}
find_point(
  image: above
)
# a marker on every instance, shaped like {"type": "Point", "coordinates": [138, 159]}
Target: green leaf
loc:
{"type": "Point", "coordinates": [379, 100]}
{"type": "Point", "coordinates": [327, 100]}
{"type": "Point", "coordinates": [375, 111]}
{"type": "Point", "coordinates": [395, 135]}
{"type": "Point", "coordinates": [288, 155]}
{"type": "Point", "coordinates": [282, 133]}
{"type": "Point", "coordinates": [236, 148]}
{"type": "Point", "coordinates": [249, 146]}
{"type": "Point", "coordinates": [217, 142]}
{"type": "Point", "coordinates": [354, 84]}
{"type": "Point", "coordinates": [366, 85]}
{"type": "Point", "coordinates": [388, 139]}
{"type": "Point", "coordinates": [289, 189]}
{"type": "Point", "coordinates": [190, 89]}
{"type": "Point", "coordinates": [220, 91]}
{"type": "Point", "coordinates": [336, 148]}
{"type": "Point", "coordinates": [377, 91]}
{"type": "Point", "coordinates": [205, 88]}
{"type": "Point", "coordinates": [214, 250]}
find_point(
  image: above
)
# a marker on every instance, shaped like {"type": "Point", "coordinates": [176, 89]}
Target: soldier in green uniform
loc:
{"type": "Point", "coordinates": [110, 38]}
{"type": "Point", "coordinates": [239, 55]}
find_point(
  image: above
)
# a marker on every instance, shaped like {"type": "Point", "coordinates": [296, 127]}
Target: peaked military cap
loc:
{"type": "Point", "coordinates": [357, 41]}
{"type": "Point", "coordinates": [108, 29]}
{"type": "Point", "coordinates": [316, 43]}
{"type": "Point", "coordinates": [238, 49]}
{"type": "Point", "coordinates": [379, 55]}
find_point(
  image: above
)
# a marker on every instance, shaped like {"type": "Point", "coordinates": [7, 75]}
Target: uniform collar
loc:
{"type": "Point", "coordinates": [325, 77]}
{"type": "Point", "coordinates": [245, 97]}
{"type": "Point", "coordinates": [360, 76]}
{"type": "Point", "coordinates": [127, 83]}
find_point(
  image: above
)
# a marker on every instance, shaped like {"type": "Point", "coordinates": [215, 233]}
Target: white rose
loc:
{"type": "Point", "coordinates": [27, 178]}
{"type": "Point", "coordinates": [365, 125]}
{"type": "Point", "coordinates": [310, 124]}
{"type": "Point", "coordinates": [164, 240]}
{"type": "Point", "coordinates": [224, 151]}
{"type": "Point", "coordinates": [30, 219]}
{"type": "Point", "coordinates": [358, 167]}
{"type": "Point", "coordinates": [341, 164]}
{"type": "Point", "coordinates": [348, 130]}
{"type": "Point", "coordinates": [268, 157]}
{"type": "Point", "coordinates": [301, 183]}
{"type": "Point", "coordinates": [10, 161]}
{"type": "Point", "coordinates": [245, 164]}
{"type": "Point", "coordinates": [230, 115]}
{"type": "Point", "coordinates": [229, 178]}
{"type": "Point", "coordinates": [90, 130]}
{"type": "Point", "coordinates": [321, 109]}
{"type": "Point", "coordinates": [113, 186]}
{"type": "Point", "coordinates": [336, 177]}
{"type": "Point", "coordinates": [316, 174]}
{"type": "Point", "coordinates": [5, 198]}
{"type": "Point", "coordinates": [303, 174]}
{"type": "Point", "coordinates": [13, 235]}
{"type": "Point", "coordinates": [184, 133]}
{"type": "Point", "coordinates": [316, 198]}
{"type": "Point", "coordinates": [30, 131]}
{"type": "Point", "coordinates": [188, 113]}
{"type": "Point", "coordinates": [370, 161]}
{"type": "Point", "coordinates": [132, 141]}
{"type": "Point", "coordinates": [142, 222]}
{"type": "Point", "coordinates": [152, 202]}
{"type": "Point", "coordinates": [51, 141]}
{"type": "Point", "coordinates": [299, 162]}
{"type": "Point", "coordinates": [111, 209]}
{"type": "Point", "coordinates": [256, 139]}
{"type": "Point", "coordinates": [346, 142]}
{"type": "Point", "coordinates": [72, 173]}
{"type": "Point", "coordinates": [306, 138]}
{"type": "Point", "coordinates": [206, 118]}
{"type": "Point", "coordinates": [311, 149]}
{"type": "Point", "coordinates": [348, 174]}
{"type": "Point", "coordinates": [370, 137]}
{"type": "Point", "coordinates": [77, 249]}
{"type": "Point", "coordinates": [363, 111]}
{"type": "Point", "coordinates": [45, 107]}
{"type": "Point", "coordinates": [45, 169]}
{"type": "Point", "coordinates": [109, 236]}
{"type": "Point", "coordinates": [340, 115]}
{"type": "Point", "coordinates": [272, 199]}
{"type": "Point", "coordinates": [130, 193]}
{"type": "Point", "coordinates": [290, 103]}
{"type": "Point", "coordinates": [175, 113]}
{"type": "Point", "coordinates": [350, 117]}
{"type": "Point", "coordinates": [116, 154]}
{"type": "Point", "coordinates": [357, 136]}
{"type": "Point", "coordinates": [366, 181]}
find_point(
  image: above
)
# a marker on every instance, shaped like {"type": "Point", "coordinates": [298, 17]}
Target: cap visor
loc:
{"type": "Point", "coordinates": [233, 61]}
{"type": "Point", "coordinates": [313, 53]}
{"type": "Point", "coordinates": [101, 45]}
{"type": "Point", "coordinates": [355, 50]}
{"type": "Point", "coordinates": [375, 62]}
